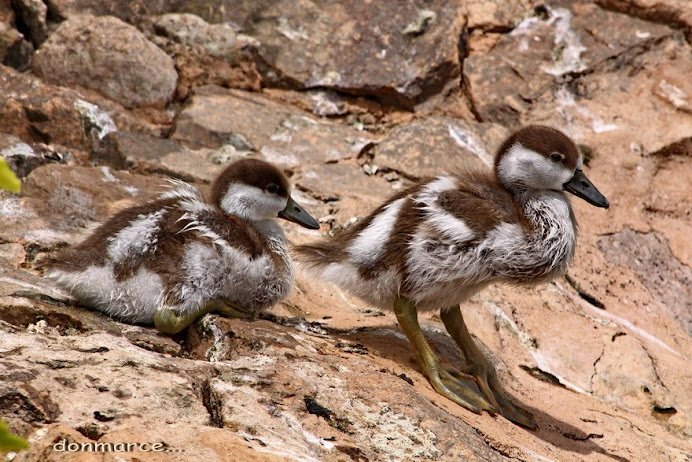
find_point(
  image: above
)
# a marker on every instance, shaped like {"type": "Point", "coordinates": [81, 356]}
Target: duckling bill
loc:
{"type": "Point", "coordinates": [444, 239]}
{"type": "Point", "coordinates": [169, 261]}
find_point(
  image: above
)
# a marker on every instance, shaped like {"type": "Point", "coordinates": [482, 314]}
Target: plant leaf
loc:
{"type": "Point", "coordinates": [8, 180]}
{"type": "Point", "coordinates": [10, 442]}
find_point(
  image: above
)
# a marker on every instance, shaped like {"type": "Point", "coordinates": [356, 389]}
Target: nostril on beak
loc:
{"type": "Point", "coordinates": [296, 209]}
{"type": "Point", "coordinates": [585, 184]}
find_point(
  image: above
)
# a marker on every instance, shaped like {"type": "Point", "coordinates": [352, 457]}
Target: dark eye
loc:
{"type": "Point", "coordinates": [273, 188]}
{"type": "Point", "coordinates": [557, 157]}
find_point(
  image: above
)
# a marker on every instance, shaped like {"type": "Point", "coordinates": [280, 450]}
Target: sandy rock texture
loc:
{"type": "Point", "coordinates": [107, 55]}
{"type": "Point", "coordinates": [103, 101]}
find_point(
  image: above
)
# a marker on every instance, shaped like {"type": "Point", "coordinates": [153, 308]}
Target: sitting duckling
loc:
{"type": "Point", "coordinates": [176, 258]}
{"type": "Point", "coordinates": [437, 243]}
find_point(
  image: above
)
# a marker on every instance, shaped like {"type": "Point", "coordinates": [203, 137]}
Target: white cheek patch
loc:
{"type": "Point", "coordinates": [251, 202]}
{"type": "Point", "coordinates": [369, 245]}
{"type": "Point", "coordinates": [521, 166]}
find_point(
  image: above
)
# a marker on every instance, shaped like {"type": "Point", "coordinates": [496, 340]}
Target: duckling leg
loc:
{"type": "Point", "coordinates": [482, 369]}
{"type": "Point", "coordinates": [445, 383]}
{"type": "Point", "coordinates": [169, 322]}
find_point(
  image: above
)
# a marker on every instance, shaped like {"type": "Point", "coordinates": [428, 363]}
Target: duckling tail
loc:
{"type": "Point", "coordinates": [317, 254]}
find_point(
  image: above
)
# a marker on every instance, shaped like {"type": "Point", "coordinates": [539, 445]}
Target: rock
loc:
{"type": "Point", "coordinates": [37, 112]}
{"type": "Point", "coordinates": [601, 357]}
{"type": "Point", "coordinates": [15, 52]}
{"type": "Point", "coordinates": [649, 257]}
{"type": "Point", "coordinates": [496, 15]}
{"type": "Point", "coordinates": [7, 14]}
{"type": "Point", "coordinates": [362, 49]}
{"type": "Point", "coordinates": [109, 56]}
{"type": "Point", "coordinates": [334, 181]}
{"type": "Point", "coordinates": [123, 150]}
{"type": "Point", "coordinates": [614, 378]}
{"type": "Point", "coordinates": [32, 14]}
{"type": "Point", "coordinates": [206, 53]}
{"type": "Point", "coordinates": [429, 146]}
{"type": "Point", "coordinates": [218, 40]}
{"type": "Point", "coordinates": [13, 253]}
{"type": "Point", "coordinates": [506, 81]}
{"type": "Point", "coordinates": [307, 45]}
{"type": "Point", "coordinates": [133, 11]}
{"type": "Point", "coordinates": [145, 154]}
{"type": "Point", "coordinates": [19, 156]}
{"type": "Point", "coordinates": [280, 133]}
{"type": "Point", "coordinates": [673, 13]}
{"type": "Point", "coordinates": [72, 199]}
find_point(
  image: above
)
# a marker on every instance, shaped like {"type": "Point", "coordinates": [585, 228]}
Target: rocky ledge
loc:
{"type": "Point", "coordinates": [104, 100]}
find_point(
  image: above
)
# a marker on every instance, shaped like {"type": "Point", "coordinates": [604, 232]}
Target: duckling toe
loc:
{"type": "Point", "coordinates": [454, 389]}
{"type": "Point", "coordinates": [488, 383]}
{"type": "Point", "coordinates": [231, 310]}
{"type": "Point", "coordinates": [168, 321]}
{"type": "Point", "coordinates": [518, 415]}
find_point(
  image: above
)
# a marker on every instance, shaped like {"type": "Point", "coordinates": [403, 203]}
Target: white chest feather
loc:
{"type": "Point", "coordinates": [445, 271]}
{"type": "Point", "coordinates": [223, 272]}
{"type": "Point", "coordinates": [542, 253]}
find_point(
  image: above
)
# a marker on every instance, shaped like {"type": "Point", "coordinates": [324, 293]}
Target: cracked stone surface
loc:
{"type": "Point", "coordinates": [603, 357]}
{"type": "Point", "coordinates": [108, 56]}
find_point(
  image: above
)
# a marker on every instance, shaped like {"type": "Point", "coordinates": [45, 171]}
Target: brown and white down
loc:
{"type": "Point", "coordinates": [171, 260]}
{"type": "Point", "coordinates": [437, 243]}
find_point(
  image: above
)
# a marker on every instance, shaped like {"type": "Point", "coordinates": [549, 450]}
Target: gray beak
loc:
{"type": "Point", "coordinates": [297, 214]}
{"type": "Point", "coordinates": [581, 187]}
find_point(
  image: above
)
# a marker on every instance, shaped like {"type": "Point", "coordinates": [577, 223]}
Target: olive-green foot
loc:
{"type": "Point", "coordinates": [171, 322]}
{"type": "Point", "coordinates": [482, 370]}
{"type": "Point", "coordinates": [449, 383]}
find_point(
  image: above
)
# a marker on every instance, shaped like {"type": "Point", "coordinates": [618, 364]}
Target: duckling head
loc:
{"type": "Point", "coordinates": [543, 158]}
{"type": "Point", "coordinates": [256, 190]}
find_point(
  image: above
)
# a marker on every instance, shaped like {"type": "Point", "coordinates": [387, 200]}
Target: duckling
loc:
{"type": "Point", "coordinates": [437, 243]}
{"type": "Point", "coordinates": [169, 261]}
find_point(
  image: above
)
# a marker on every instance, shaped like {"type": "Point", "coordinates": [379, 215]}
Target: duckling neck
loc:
{"type": "Point", "coordinates": [548, 244]}
{"type": "Point", "coordinates": [276, 243]}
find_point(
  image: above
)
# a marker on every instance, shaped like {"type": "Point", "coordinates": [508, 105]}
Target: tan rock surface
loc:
{"type": "Point", "coordinates": [109, 56]}
{"type": "Point", "coordinates": [603, 357]}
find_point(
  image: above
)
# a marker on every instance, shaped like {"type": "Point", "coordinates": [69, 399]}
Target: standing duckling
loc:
{"type": "Point", "coordinates": [439, 242]}
{"type": "Point", "coordinates": [178, 257]}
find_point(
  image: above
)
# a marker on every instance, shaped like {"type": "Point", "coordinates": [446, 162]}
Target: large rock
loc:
{"type": "Point", "coordinates": [146, 154]}
{"type": "Point", "coordinates": [109, 56]}
{"type": "Point", "coordinates": [206, 53]}
{"type": "Point", "coordinates": [15, 51]}
{"type": "Point", "coordinates": [427, 147]}
{"type": "Point", "coordinates": [33, 15]}
{"type": "Point", "coordinates": [280, 133]}
{"type": "Point", "coordinates": [675, 13]}
{"type": "Point", "coordinates": [400, 53]}
{"type": "Point", "coordinates": [133, 11]}
{"type": "Point", "coordinates": [545, 50]}
{"type": "Point", "coordinates": [38, 112]}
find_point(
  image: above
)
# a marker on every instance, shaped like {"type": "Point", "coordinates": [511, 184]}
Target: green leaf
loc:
{"type": "Point", "coordinates": [8, 180]}
{"type": "Point", "coordinates": [8, 441]}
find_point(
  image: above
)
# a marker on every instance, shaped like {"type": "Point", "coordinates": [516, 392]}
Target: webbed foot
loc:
{"type": "Point", "coordinates": [450, 383]}
{"type": "Point", "coordinates": [168, 321]}
{"type": "Point", "coordinates": [482, 370]}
